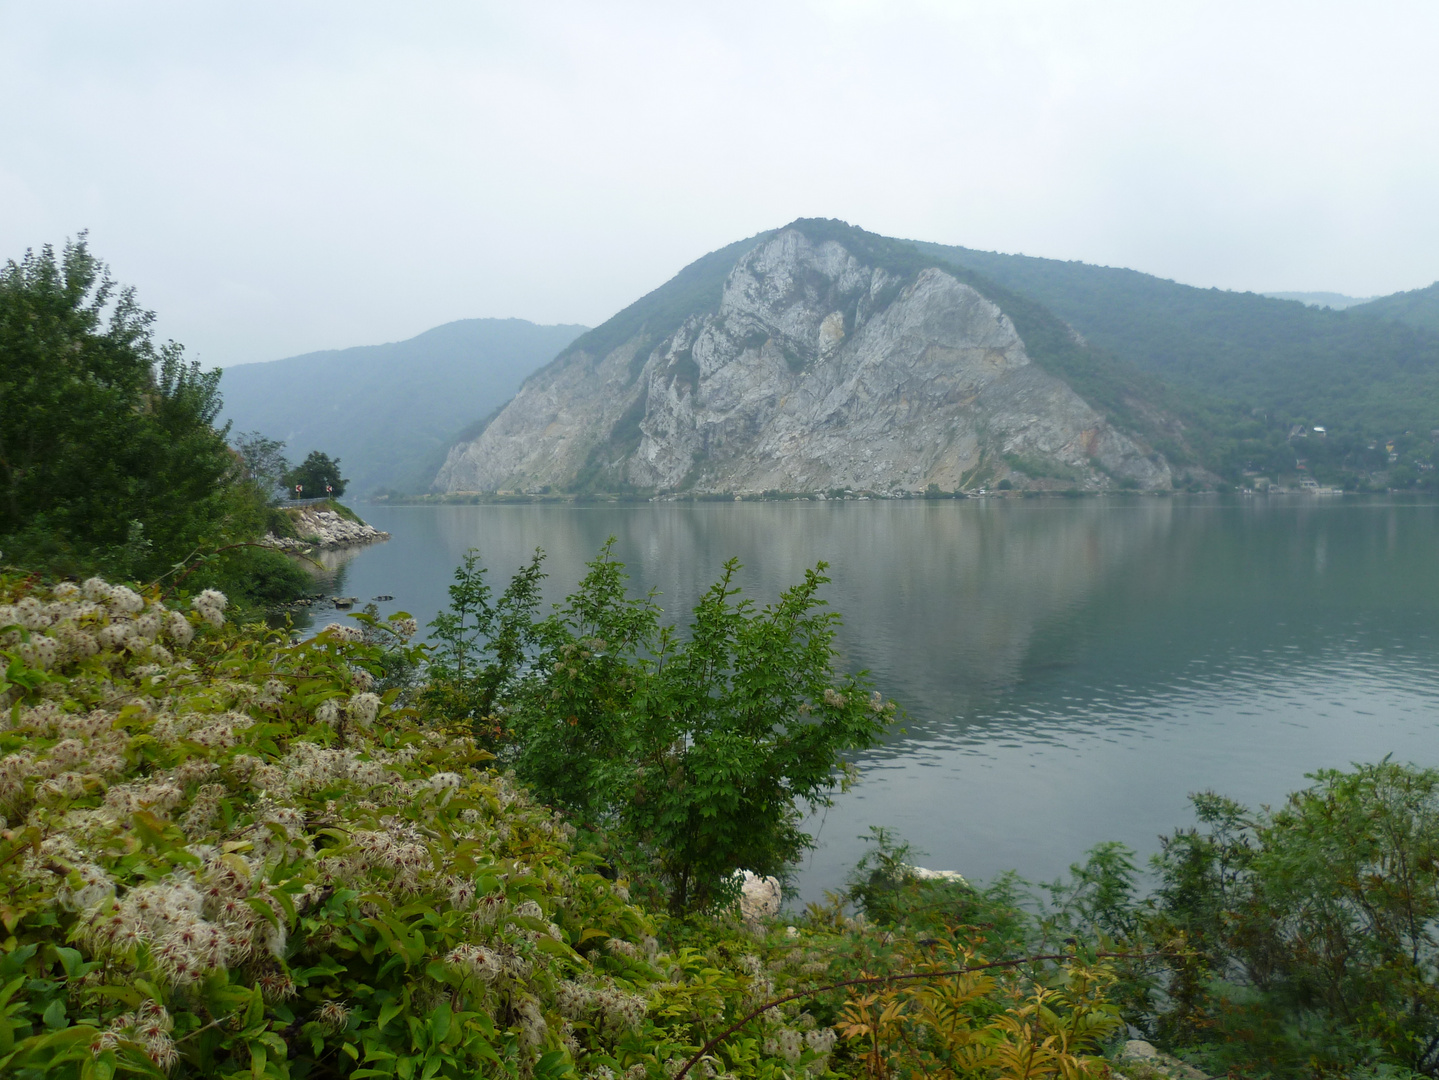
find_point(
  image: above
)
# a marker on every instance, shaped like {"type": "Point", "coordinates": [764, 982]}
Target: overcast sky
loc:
{"type": "Point", "coordinates": [281, 177]}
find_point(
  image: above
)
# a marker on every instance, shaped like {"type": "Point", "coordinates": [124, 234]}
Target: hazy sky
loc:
{"type": "Point", "coordinates": [281, 177]}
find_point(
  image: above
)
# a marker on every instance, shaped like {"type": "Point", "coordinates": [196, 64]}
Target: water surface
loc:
{"type": "Point", "coordinates": [1071, 669]}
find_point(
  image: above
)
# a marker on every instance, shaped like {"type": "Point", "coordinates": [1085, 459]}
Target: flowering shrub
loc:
{"type": "Point", "coordinates": [222, 853]}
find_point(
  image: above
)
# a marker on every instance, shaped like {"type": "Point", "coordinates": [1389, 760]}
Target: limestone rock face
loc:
{"type": "Point", "coordinates": [815, 371]}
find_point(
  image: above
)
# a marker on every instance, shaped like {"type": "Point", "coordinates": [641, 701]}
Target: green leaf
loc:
{"type": "Point", "coordinates": [54, 1016]}
{"type": "Point", "coordinates": [71, 961]}
{"type": "Point", "coordinates": [556, 948]}
{"type": "Point", "coordinates": [440, 1021]}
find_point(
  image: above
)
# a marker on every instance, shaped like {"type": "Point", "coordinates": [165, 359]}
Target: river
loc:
{"type": "Point", "coordinates": [1070, 669]}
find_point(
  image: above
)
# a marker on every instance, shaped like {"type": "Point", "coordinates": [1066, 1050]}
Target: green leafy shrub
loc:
{"type": "Point", "coordinates": [693, 754]}
{"type": "Point", "coordinates": [1313, 926]}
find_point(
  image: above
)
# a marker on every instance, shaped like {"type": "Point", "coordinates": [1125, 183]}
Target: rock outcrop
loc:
{"type": "Point", "coordinates": [316, 528]}
{"type": "Point", "coordinates": [1140, 1060]}
{"type": "Point", "coordinates": [817, 369]}
{"type": "Point", "coordinates": [759, 897]}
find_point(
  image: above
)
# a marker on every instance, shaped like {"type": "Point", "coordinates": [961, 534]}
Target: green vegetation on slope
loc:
{"type": "Point", "coordinates": [695, 290]}
{"type": "Point", "coordinates": [1418, 307]}
{"type": "Point", "coordinates": [1296, 363]}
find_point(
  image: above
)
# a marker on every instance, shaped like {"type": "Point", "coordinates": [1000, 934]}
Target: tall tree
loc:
{"type": "Point", "coordinates": [107, 440]}
{"type": "Point", "coordinates": [265, 464]}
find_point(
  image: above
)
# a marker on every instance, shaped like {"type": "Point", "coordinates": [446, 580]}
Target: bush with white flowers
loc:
{"type": "Point", "coordinates": [221, 853]}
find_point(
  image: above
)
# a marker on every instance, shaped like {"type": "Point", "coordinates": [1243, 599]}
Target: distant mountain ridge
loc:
{"type": "Point", "coordinates": [389, 412]}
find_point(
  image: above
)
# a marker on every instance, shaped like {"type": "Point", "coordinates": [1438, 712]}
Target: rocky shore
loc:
{"type": "Point", "coordinates": [319, 528]}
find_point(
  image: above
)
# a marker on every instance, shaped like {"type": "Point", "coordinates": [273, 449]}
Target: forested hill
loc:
{"type": "Point", "coordinates": [1345, 369]}
{"type": "Point", "coordinates": [1419, 307]}
{"type": "Point", "coordinates": [390, 411]}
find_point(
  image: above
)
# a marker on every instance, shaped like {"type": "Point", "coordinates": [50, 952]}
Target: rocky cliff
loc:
{"type": "Point", "coordinates": [826, 361]}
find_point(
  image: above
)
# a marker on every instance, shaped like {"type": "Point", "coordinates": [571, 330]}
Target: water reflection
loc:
{"type": "Point", "coordinates": [1071, 670]}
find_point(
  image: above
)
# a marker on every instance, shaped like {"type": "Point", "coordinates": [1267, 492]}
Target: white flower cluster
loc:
{"type": "Point", "coordinates": [611, 1010]}
{"type": "Point", "coordinates": [477, 961]}
{"type": "Point", "coordinates": [362, 708]}
{"type": "Point", "coordinates": [344, 634]}
{"type": "Point", "coordinates": [148, 1029]}
{"type": "Point", "coordinates": [396, 860]}
{"type": "Point", "coordinates": [190, 926]}
{"type": "Point", "coordinates": [82, 621]}
{"type": "Point", "coordinates": [790, 1043]}
{"type": "Point", "coordinates": [211, 605]}
{"type": "Point", "coordinates": [88, 753]}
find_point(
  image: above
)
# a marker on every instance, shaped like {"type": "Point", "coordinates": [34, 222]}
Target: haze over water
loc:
{"type": "Point", "coordinates": [1071, 670]}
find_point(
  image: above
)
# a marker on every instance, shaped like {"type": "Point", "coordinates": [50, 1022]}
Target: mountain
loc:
{"type": "Point", "coordinates": [1419, 307]}
{"type": "Point", "coordinates": [1337, 301]}
{"type": "Point", "coordinates": [816, 357]}
{"type": "Point", "coordinates": [1238, 353]}
{"type": "Point", "coordinates": [390, 411]}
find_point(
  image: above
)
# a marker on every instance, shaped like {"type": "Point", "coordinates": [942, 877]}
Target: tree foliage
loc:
{"type": "Point", "coordinates": [698, 751]}
{"type": "Point", "coordinates": [317, 476]}
{"type": "Point", "coordinates": [107, 440]}
{"type": "Point", "coordinates": [1321, 917]}
{"type": "Point", "coordinates": [480, 648]}
{"type": "Point", "coordinates": [264, 463]}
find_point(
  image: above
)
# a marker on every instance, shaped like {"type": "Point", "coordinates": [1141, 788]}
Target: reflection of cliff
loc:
{"type": "Point", "coordinates": [942, 600]}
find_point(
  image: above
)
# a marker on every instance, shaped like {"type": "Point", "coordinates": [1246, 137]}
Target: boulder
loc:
{"type": "Point", "coordinates": [759, 897]}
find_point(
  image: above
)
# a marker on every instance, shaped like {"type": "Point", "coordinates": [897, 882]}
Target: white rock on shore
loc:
{"type": "Point", "coordinates": [325, 529]}
{"type": "Point", "coordinates": [759, 897]}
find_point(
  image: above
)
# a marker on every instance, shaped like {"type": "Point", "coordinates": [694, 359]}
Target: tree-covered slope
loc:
{"type": "Point", "coordinates": [388, 412]}
{"type": "Point", "coordinates": [1306, 364]}
{"type": "Point", "coordinates": [1418, 307]}
{"type": "Point", "coordinates": [1337, 301]}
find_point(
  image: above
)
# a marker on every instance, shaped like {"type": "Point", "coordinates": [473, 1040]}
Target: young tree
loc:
{"type": "Point", "coordinates": [480, 647]}
{"type": "Point", "coordinates": [265, 463]}
{"type": "Point", "coordinates": [747, 721]}
{"type": "Point", "coordinates": [699, 753]}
